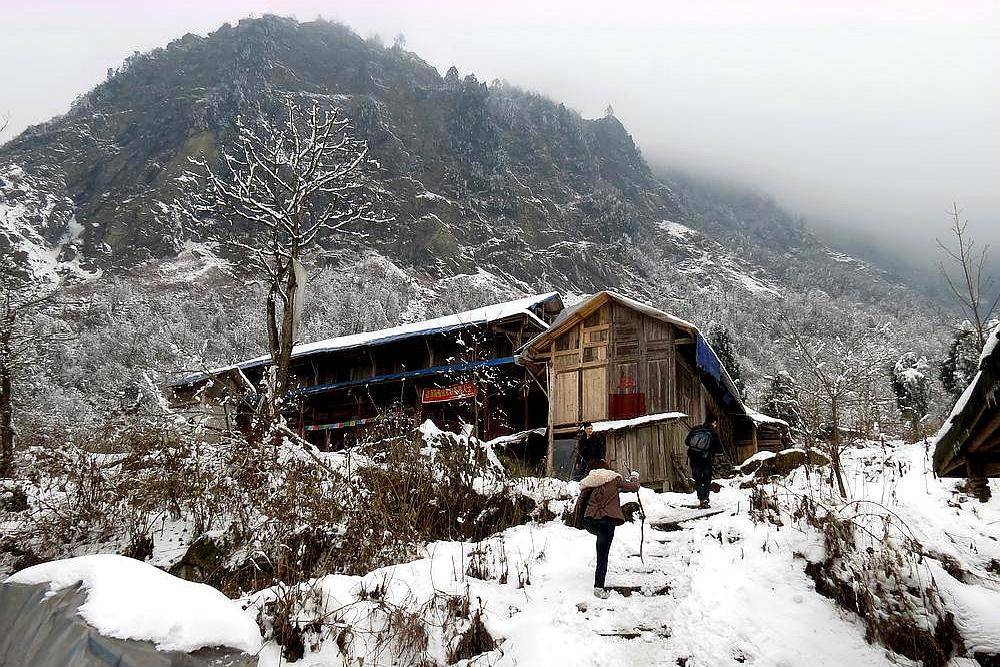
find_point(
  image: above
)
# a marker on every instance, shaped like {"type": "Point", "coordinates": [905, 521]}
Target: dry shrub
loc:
{"type": "Point", "coordinates": [476, 639]}
{"type": "Point", "coordinates": [412, 492]}
{"type": "Point", "coordinates": [488, 561]}
{"type": "Point", "coordinates": [874, 567]}
{"type": "Point", "coordinates": [464, 631]}
{"type": "Point", "coordinates": [268, 515]}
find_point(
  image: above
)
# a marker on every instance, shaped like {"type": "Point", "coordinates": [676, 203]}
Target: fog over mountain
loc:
{"type": "Point", "coordinates": [819, 106]}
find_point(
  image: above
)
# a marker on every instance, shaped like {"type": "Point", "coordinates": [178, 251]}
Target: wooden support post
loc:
{"type": "Point", "coordinates": [979, 485]}
{"type": "Point", "coordinates": [550, 384]}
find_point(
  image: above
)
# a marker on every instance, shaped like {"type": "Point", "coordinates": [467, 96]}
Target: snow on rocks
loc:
{"type": "Point", "coordinates": [765, 464]}
{"type": "Point", "coordinates": [128, 599]}
{"type": "Point", "coordinates": [704, 256]}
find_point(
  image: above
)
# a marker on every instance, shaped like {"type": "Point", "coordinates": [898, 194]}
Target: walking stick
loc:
{"type": "Point", "coordinates": [642, 517]}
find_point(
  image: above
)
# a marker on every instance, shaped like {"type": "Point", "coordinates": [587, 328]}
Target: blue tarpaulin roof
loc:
{"type": "Point", "coordinates": [709, 362]}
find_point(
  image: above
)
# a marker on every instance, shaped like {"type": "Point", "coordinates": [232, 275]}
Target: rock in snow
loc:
{"type": "Point", "coordinates": [128, 599]}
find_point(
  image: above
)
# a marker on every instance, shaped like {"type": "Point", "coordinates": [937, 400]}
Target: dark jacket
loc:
{"type": "Point", "coordinates": [714, 448]}
{"type": "Point", "coordinates": [590, 448]}
{"type": "Point", "coordinates": [599, 497]}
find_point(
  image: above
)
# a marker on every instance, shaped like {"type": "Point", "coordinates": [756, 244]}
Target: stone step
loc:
{"type": "Point", "coordinates": [674, 523]}
{"type": "Point", "coordinates": [635, 633]}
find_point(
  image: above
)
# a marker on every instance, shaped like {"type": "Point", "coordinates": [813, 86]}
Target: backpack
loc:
{"type": "Point", "coordinates": [700, 441]}
{"type": "Point", "coordinates": [580, 510]}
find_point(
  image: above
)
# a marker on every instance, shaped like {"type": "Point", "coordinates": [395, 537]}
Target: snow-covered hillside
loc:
{"type": "Point", "coordinates": [712, 588]}
{"type": "Point", "coordinates": [780, 572]}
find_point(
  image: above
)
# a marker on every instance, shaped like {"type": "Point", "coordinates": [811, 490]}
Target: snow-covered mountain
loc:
{"type": "Point", "coordinates": [478, 177]}
{"type": "Point", "coordinates": [490, 192]}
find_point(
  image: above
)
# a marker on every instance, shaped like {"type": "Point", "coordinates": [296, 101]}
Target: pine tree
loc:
{"type": "Point", "coordinates": [912, 388]}
{"type": "Point", "coordinates": [962, 362]}
{"type": "Point", "coordinates": [721, 342]}
{"type": "Point", "coordinates": [782, 400]}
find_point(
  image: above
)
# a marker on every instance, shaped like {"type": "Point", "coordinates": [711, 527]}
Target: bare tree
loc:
{"type": "Point", "coordinates": [834, 372]}
{"type": "Point", "coordinates": [283, 185]}
{"type": "Point", "coordinates": [968, 288]}
{"type": "Point", "coordinates": [21, 298]}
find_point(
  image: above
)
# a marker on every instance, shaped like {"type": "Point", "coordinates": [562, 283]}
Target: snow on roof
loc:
{"type": "Point", "coordinates": [988, 350]}
{"type": "Point", "coordinates": [991, 344]}
{"type": "Point", "coordinates": [619, 424]}
{"type": "Point", "coordinates": [759, 418]}
{"type": "Point", "coordinates": [627, 301]}
{"type": "Point", "coordinates": [129, 599]}
{"type": "Point", "coordinates": [482, 315]}
{"type": "Point", "coordinates": [515, 438]}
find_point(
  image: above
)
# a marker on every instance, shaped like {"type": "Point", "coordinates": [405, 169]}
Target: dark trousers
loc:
{"type": "Point", "coordinates": [604, 529]}
{"type": "Point", "coordinates": [701, 470]}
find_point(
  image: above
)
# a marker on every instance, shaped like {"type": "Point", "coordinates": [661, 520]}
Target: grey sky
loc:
{"type": "Point", "coordinates": [875, 118]}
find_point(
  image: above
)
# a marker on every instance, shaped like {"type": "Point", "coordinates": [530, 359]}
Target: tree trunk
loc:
{"type": "Point", "coordinates": [6, 423]}
{"type": "Point", "coordinates": [835, 447]}
{"type": "Point", "coordinates": [286, 334]}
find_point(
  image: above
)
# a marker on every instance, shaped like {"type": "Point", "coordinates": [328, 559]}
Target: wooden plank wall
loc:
{"type": "Point", "coordinates": [616, 349]}
{"type": "Point", "coordinates": [656, 451]}
{"type": "Point", "coordinates": [613, 350]}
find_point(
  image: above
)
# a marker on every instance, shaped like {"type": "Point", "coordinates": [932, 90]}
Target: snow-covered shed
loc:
{"type": "Point", "coordinates": [968, 444]}
{"type": "Point", "coordinates": [645, 377]}
{"type": "Point", "coordinates": [456, 369]}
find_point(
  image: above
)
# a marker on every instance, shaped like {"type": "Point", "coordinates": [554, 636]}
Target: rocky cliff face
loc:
{"type": "Point", "coordinates": [479, 179]}
{"type": "Point", "coordinates": [478, 175]}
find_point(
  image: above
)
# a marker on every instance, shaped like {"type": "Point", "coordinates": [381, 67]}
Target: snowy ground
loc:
{"type": "Point", "coordinates": [719, 590]}
{"type": "Point", "coordinates": [713, 588]}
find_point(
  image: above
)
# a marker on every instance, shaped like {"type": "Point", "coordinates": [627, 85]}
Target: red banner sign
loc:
{"type": "Point", "coordinates": [453, 393]}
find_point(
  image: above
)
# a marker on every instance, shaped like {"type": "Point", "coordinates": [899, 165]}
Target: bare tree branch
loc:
{"type": "Point", "coordinates": [973, 282]}
{"type": "Point", "coordinates": [286, 184]}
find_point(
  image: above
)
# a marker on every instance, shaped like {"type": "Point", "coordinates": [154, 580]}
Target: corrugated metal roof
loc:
{"type": "Point", "coordinates": [476, 316]}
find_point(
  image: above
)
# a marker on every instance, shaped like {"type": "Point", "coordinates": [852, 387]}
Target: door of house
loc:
{"type": "Point", "coordinates": [595, 393]}
{"type": "Point", "coordinates": [566, 407]}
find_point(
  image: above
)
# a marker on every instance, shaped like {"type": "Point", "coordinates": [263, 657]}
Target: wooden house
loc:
{"type": "Point", "coordinates": [645, 378]}
{"type": "Point", "coordinates": [968, 444]}
{"type": "Point", "coordinates": [457, 370]}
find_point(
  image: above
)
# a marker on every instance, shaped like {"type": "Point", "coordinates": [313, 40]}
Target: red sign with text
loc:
{"type": "Point", "coordinates": [453, 393]}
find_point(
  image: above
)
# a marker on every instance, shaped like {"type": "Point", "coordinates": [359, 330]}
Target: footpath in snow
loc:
{"type": "Point", "coordinates": [716, 588]}
{"type": "Point", "coordinates": [713, 587]}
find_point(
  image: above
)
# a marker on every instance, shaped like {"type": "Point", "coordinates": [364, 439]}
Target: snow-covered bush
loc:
{"type": "Point", "coordinates": [912, 388]}
{"type": "Point", "coordinates": [258, 516]}
{"type": "Point", "coordinates": [872, 564]}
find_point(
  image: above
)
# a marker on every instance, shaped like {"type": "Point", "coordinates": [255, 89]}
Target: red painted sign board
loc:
{"type": "Point", "coordinates": [453, 393]}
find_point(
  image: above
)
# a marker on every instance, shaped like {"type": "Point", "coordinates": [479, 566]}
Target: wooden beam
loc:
{"type": "Point", "coordinates": [990, 429]}
{"type": "Point", "coordinates": [550, 381]}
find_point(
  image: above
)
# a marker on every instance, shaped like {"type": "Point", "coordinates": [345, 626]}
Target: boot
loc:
{"type": "Point", "coordinates": [601, 593]}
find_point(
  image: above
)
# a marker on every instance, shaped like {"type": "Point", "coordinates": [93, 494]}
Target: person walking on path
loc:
{"type": "Point", "coordinates": [703, 444]}
{"type": "Point", "coordinates": [590, 447]}
{"type": "Point", "coordinates": [599, 512]}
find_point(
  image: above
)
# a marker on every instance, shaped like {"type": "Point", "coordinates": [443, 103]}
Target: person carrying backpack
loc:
{"type": "Point", "coordinates": [703, 444]}
{"type": "Point", "coordinates": [599, 511]}
{"type": "Point", "coordinates": [590, 447]}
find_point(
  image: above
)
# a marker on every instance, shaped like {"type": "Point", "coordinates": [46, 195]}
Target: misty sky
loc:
{"type": "Point", "coordinates": [872, 117]}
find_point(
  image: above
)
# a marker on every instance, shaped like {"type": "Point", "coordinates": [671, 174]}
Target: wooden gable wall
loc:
{"type": "Point", "coordinates": [618, 362]}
